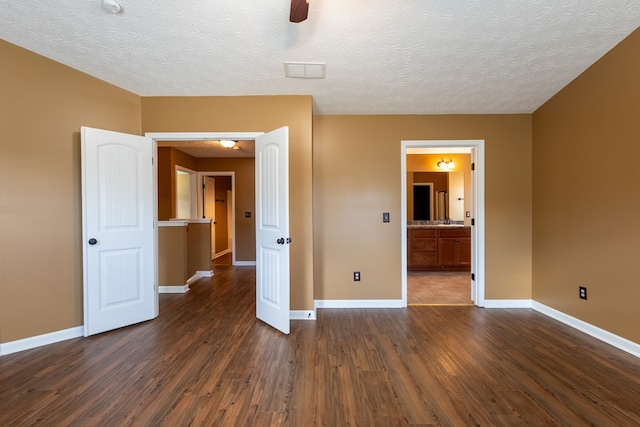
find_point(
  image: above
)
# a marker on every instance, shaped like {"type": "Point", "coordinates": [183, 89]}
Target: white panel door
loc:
{"type": "Point", "coordinates": [118, 230]}
{"type": "Point", "coordinates": [272, 228]}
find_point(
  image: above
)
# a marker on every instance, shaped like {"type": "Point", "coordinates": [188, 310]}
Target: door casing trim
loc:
{"type": "Point", "coordinates": [477, 230]}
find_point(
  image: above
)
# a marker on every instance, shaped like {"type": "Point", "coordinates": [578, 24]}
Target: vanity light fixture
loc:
{"type": "Point", "coordinates": [227, 143]}
{"type": "Point", "coordinates": [443, 164]}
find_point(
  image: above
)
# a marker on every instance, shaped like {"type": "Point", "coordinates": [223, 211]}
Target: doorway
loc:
{"type": "Point", "coordinates": [217, 201]}
{"type": "Point", "coordinates": [476, 212]}
{"type": "Point", "coordinates": [177, 138]}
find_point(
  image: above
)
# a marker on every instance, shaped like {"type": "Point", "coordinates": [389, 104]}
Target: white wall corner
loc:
{"type": "Point", "coordinates": [589, 329]}
{"type": "Point", "coordinates": [40, 340]}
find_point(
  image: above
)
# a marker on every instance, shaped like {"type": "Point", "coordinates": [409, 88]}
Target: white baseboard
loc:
{"type": "Point", "coordinates": [507, 303]}
{"type": "Point", "coordinates": [244, 263]}
{"type": "Point", "coordinates": [40, 340]}
{"type": "Point", "coordinates": [219, 254]}
{"type": "Point", "coordinates": [605, 336]}
{"type": "Point", "coordinates": [353, 303]}
{"type": "Point", "coordinates": [198, 275]}
{"type": "Point", "coordinates": [302, 315]}
{"type": "Point", "coordinates": [173, 289]}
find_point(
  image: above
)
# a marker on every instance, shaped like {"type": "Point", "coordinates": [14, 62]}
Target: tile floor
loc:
{"type": "Point", "coordinates": [438, 288]}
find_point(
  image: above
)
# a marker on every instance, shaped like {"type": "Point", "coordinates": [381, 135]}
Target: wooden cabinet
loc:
{"type": "Point", "coordinates": [454, 249]}
{"type": "Point", "coordinates": [423, 248]}
{"type": "Point", "coordinates": [446, 249]}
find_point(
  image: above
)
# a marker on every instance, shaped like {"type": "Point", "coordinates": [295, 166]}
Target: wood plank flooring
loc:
{"type": "Point", "coordinates": [206, 361]}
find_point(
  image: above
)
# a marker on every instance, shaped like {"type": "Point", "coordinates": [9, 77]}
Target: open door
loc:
{"type": "Point", "coordinates": [272, 228]}
{"type": "Point", "coordinates": [118, 230]}
{"type": "Point", "coordinates": [209, 207]}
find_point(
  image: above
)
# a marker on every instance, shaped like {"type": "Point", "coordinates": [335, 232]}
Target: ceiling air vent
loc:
{"type": "Point", "coordinates": [304, 70]}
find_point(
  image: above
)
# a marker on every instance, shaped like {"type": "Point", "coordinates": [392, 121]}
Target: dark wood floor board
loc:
{"type": "Point", "coordinates": [418, 390]}
{"type": "Point", "coordinates": [624, 409]}
{"type": "Point", "coordinates": [547, 390]}
{"type": "Point", "coordinates": [207, 361]}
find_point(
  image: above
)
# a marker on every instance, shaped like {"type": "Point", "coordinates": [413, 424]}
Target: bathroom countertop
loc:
{"type": "Point", "coordinates": [426, 224]}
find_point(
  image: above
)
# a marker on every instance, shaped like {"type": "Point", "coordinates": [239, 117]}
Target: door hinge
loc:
{"type": "Point", "coordinates": [473, 166]}
{"type": "Point", "coordinates": [473, 276]}
{"type": "Point", "coordinates": [473, 221]}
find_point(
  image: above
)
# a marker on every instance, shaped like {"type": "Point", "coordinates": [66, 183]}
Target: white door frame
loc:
{"type": "Point", "coordinates": [232, 174]}
{"type": "Point", "coordinates": [477, 230]}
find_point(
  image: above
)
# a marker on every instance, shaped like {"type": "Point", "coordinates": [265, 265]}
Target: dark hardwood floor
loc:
{"type": "Point", "coordinates": [206, 361]}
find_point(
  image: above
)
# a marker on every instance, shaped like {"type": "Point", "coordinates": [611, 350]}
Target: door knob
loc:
{"type": "Point", "coordinates": [92, 241]}
{"type": "Point", "coordinates": [280, 241]}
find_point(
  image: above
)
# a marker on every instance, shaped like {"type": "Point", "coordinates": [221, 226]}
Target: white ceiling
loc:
{"type": "Point", "coordinates": [382, 56]}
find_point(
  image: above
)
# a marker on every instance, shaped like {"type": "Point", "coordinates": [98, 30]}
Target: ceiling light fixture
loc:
{"type": "Point", "coordinates": [227, 143]}
{"type": "Point", "coordinates": [112, 6]}
{"type": "Point", "coordinates": [442, 164]}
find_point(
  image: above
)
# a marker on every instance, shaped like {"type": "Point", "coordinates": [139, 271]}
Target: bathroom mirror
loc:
{"type": "Point", "coordinates": [436, 196]}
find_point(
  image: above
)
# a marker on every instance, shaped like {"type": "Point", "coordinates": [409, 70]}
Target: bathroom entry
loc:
{"type": "Point", "coordinates": [426, 156]}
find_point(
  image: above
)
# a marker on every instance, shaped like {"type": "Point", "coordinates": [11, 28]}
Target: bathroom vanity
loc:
{"type": "Point", "coordinates": [439, 247]}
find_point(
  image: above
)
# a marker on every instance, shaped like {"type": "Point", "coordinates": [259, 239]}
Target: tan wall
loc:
{"type": "Point", "coordinates": [256, 114]}
{"type": "Point", "coordinates": [172, 256]}
{"type": "Point", "coordinates": [42, 107]}
{"type": "Point", "coordinates": [198, 248]}
{"type": "Point", "coordinates": [166, 176]}
{"type": "Point", "coordinates": [585, 202]}
{"type": "Point", "coordinates": [168, 158]}
{"type": "Point", "coordinates": [356, 177]}
{"type": "Point", "coordinates": [244, 169]}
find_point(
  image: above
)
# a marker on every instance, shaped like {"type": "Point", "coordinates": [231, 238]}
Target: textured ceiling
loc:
{"type": "Point", "coordinates": [382, 56]}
